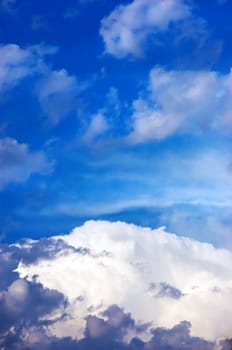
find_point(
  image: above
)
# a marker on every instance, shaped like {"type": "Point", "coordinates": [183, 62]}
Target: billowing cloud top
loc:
{"type": "Point", "coordinates": [158, 278]}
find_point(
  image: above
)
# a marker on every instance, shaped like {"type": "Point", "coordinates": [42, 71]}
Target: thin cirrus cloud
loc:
{"type": "Point", "coordinates": [57, 93]}
{"type": "Point", "coordinates": [56, 90]}
{"type": "Point", "coordinates": [126, 29]}
{"type": "Point", "coordinates": [18, 162]}
{"type": "Point", "coordinates": [16, 64]}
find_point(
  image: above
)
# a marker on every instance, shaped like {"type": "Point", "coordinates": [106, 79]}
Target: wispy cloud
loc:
{"type": "Point", "coordinates": [18, 163]}
{"type": "Point", "coordinates": [126, 29]}
{"type": "Point", "coordinates": [57, 92]}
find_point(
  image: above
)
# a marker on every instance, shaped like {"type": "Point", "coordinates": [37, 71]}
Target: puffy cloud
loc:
{"type": "Point", "coordinates": [177, 338]}
{"type": "Point", "coordinates": [29, 313]}
{"type": "Point", "coordinates": [159, 278]}
{"type": "Point", "coordinates": [23, 305]}
{"type": "Point", "coordinates": [181, 101]}
{"type": "Point", "coordinates": [17, 162]}
{"type": "Point", "coordinates": [102, 262]}
{"type": "Point", "coordinates": [126, 29]}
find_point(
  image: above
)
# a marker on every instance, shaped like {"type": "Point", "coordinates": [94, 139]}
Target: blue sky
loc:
{"type": "Point", "coordinates": [115, 174]}
{"type": "Point", "coordinates": [115, 110]}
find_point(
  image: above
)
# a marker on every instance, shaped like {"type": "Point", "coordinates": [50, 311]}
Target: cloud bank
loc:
{"type": "Point", "coordinates": [160, 279]}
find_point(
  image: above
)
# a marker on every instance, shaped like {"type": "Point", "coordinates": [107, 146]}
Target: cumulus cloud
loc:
{"type": "Point", "coordinates": [126, 29]}
{"type": "Point", "coordinates": [159, 278]}
{"type": "Point", "coordinates": [18, 163]}
{"type": "Point", "coordinates": [181, 101]}
{"type": "Point", "coordinates": [92, 289]}
{"type": "Point", "coordinates": [28, 310]}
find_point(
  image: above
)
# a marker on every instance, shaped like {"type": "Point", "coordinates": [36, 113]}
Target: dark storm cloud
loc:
{"type": "Point", "coordinates": [175, 338]}
{"type": "Point", "coordinates": [22, 303]}
{"type": "Point", "coordinates": [225, 344]}
{"type": "Point", "coordinates": [29, 252]}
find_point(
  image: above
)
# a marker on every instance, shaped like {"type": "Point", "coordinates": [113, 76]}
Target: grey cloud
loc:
{"type": "Point", "coordinates": [164, 289]}
{"type": "Point", "coordinates": [175, 338]}
{"type": "Point", "coordinates": [225, 344]}
{"type": "Point", "coordinates": [23, 304]}
{"type": "Point", "coordinates": [29, 252]}
{"type": "Point", "coordinates": [8, 263]}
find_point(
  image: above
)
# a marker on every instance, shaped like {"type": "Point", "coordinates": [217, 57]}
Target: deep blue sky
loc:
{"type": "Point", "coordinates": [117, 110]}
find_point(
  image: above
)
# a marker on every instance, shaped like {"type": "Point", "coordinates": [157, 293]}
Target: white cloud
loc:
{"type": "Point", "coordinates": [125, 30]}
{"type": "Point", "coordinates": [17, 162]}
{"type": "Point", "coordinates": [181, 101]}
{"type": "Point", "coordinates": [119, 263]}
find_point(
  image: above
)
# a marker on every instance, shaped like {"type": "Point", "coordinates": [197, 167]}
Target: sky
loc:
{"type": "Point", "coordinates": [115, 139]}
